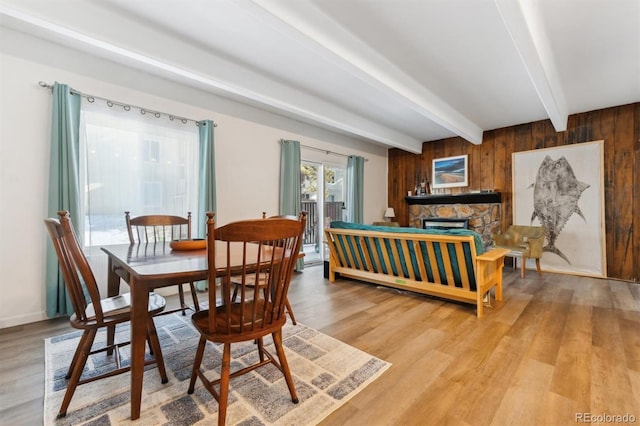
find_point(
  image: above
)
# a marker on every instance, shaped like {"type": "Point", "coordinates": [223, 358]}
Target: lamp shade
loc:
{"type": "Point", "coordinates": [389, 213]}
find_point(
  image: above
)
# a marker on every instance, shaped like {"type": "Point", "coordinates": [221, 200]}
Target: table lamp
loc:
{"type": "Point", "coordinates": [389, 214]}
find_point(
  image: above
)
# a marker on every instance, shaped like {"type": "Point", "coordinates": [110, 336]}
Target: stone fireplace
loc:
{"type": "Point", "coordinates": [483, 211]}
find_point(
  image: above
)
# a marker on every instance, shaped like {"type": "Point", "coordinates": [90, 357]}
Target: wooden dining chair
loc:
{"type": "Point", "coordinates": [94, 313]}
{"type": "Point", "coordinates": [236, 281]}
{"type": "Point", "coordinates": [268, 247]}
{"type": "Point", "coordinates": [160, 228]}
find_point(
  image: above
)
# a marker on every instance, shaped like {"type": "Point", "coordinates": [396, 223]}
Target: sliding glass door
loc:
{"type": "Point", "coordinates": [322, 197]}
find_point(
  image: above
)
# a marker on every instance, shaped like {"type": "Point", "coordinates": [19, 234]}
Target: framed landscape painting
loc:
{"type": "Point", "coordinates": [450, 172]}
{"type": "Point", "coordinates": [562, 188]}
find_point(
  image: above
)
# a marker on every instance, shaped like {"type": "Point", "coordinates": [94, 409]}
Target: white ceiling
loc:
{"type": "Point", "coordinates": [393, 72]}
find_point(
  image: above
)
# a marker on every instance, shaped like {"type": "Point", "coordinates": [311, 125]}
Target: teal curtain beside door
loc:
{"type": "Point", "coordinates": [63, 187]}
{"type": "Point", "coordinates": [355, 189]}
{"type": "Point", "coordinates": [290, 182]}
{"type": "Point", "coordinates": [207, 175]}
{"type": "Point", "coordinates": [289, 178]}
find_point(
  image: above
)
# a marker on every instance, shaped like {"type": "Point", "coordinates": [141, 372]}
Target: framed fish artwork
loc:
{"type": "Point", "coordinates": [562, 188]}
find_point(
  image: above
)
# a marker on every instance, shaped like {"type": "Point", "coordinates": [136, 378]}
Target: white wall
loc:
{"type": "Point", "coordinates": [246, 145]}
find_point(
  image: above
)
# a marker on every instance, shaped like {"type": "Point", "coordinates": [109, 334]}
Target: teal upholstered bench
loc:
{"type": "Point", "coordinates": [450, 264]}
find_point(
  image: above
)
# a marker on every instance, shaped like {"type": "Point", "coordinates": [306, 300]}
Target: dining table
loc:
{"type": "Point", "coordinates": [145, 267]}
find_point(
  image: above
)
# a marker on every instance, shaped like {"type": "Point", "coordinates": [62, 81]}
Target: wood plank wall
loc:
{"type": "Point", "coordinates": [490, 167]}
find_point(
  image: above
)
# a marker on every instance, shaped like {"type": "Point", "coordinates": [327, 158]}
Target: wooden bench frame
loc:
{"type": "Point", "coordinates": [487, 266]}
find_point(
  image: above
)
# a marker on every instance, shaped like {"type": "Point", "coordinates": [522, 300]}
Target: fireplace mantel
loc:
{"type": "Point", "coordinates": [468, 198]}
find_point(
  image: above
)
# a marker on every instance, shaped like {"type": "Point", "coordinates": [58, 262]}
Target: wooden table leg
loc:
{"type": "Point", "coordinates": [113, 289]}
{"type": "Point", "coordinates": [139, 317]}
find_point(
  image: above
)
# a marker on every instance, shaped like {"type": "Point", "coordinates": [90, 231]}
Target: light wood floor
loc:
{"type": "Point", "coordinates": [557, 346]}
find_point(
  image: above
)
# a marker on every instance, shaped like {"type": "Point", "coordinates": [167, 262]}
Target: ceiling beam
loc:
{"type": "Point", "coordinates": [310, 26]}
{"type": "Point", "coordinates": [247, 85]}
{"type": "Point", "coordinates": [523, 22]}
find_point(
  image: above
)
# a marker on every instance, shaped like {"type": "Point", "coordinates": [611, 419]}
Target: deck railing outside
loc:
{"type": "Point", "coordinates": [332, 210]}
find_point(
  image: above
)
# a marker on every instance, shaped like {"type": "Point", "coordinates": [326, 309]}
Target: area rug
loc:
{"type": "Point", "coordinates": [326, 373]}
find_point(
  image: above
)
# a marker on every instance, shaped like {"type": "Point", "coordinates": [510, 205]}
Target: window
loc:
{"type": "Point", "coordinates": [133, 162]}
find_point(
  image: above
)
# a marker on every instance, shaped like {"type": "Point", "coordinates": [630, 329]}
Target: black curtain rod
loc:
{"type": "Point", "coordinates": [126, 107]}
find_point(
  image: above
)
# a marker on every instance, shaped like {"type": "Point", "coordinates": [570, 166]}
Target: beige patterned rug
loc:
{"type": "Point", "coordinates": [327, 373]}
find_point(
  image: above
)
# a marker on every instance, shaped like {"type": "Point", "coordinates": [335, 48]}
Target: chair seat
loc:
{"type": "Point", "coordinates": [235, 333]}
{"type": "Point", "coordinates": [250, 280]}
{"type": "Point", "coordinates": [121, 304]}
{"type": "Point", "coordinates": [516, 251]}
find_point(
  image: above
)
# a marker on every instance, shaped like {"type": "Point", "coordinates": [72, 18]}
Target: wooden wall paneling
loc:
{"type": "Point", "coordinates": [500, 160]}
{"type": "Point", "coordinates": [582, 128]}
{"type": "Point", "coordinates": [523, 141]}
{"type": "Point", "coordinates": [448, 149]}
{"type": "Point", "coordinates": [394, 176]}
{"type": "Point", "coordinates": [402, 166]}
{"type": "Point", "coordinates": [587, 127]}
{"type": "Point", "coordinates": [412, 163]}
{"type": "Point", "coordinates": [486, 169]}
{"type": "Point", "coordinates": [577, 129]}
{"type": "Point", "coordinates": [487, 139]}
{"type": "Point", "coordinates": [475, 161]}
{"type": "Point", "coordinates": [550, 135]}
{"type": "Point", "coordinates": [537, 134]}
{"type": "Point", "coordinates": [594, 120]}
{"type": "Point", "coordinates": [418, 164]}
{"type": "Point", "coordinates": [568, 136]}
{"type": "Point", "coordinates": [523, 138]}
{"type": "Point", "coordinates": [636, 194]}
{"type": "Point", "coordinates": [427, 156]}
{"type": "Point", "coordinates": [605, 130]}
{"type": "Point", "coordinates": [424, 165]}
{"type": "Point", "coordinates": [460, 147]}
{"type": "Point", "coordinates": [439, 149]}
{"type": "Point", "coordinates": [452, 147]}
{"type": "Point", "coordinates": [623, 169]}
{"type": "Point", "coordinates": [507, 194]}
{"type": "Point", "coordinates": [408, 167]}
{"type": "Point", "coordinates": [619, 127]}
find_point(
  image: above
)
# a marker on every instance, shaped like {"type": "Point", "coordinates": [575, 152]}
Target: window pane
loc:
{"type": "Point", "coordinates": [137, 163]}
{"type": "Point", "coordinates": [311, 188]}
{"type": "Point", "coordinates": [334, 192]}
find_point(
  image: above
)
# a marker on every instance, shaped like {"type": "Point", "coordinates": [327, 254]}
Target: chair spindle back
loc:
{"type": "Point", "coordinates": [157, 228]}
{"type": "Point", "coordinates": [269, 248]}
{"type": "Point", "coordinates": [76, 271]}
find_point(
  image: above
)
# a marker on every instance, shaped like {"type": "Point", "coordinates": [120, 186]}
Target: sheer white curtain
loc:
{"type": "Point", "coordinates": [130, 161]}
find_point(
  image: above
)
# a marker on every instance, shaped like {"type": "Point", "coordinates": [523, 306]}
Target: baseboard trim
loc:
{"type": "Point", "coordinates": [22, 319]}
